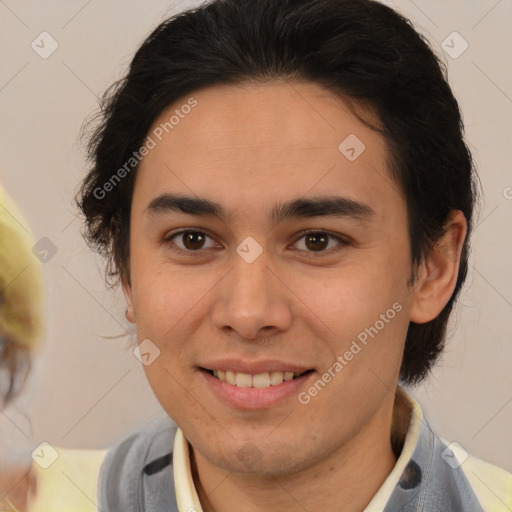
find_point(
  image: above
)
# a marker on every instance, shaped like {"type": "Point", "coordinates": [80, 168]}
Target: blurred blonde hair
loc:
{"type": "Point", "coordinates": [21, 298]}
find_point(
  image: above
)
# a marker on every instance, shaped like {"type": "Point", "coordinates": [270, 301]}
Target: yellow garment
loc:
{"type": "Point", "coordinates": [492, 484]}
{"type": "Point", "coordinates": [21, 284]}
{"type": "Point", "coordinates": [70, 484]}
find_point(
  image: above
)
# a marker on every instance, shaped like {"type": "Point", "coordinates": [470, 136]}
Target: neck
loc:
{"type": "Point", "coordinates": [346, 480]}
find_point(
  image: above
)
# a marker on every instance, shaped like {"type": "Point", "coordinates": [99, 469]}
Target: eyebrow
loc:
{"type": "Point", "coordinates": [322, 206]}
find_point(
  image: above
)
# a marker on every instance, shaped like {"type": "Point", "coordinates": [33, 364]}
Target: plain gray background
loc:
{"type": "Point", "coordinates": [88, 390]}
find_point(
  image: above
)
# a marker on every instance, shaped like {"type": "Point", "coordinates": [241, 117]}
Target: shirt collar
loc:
{"type": "Point", "coordinates": [407, 419]}
{"type": "Point", "coordinates": [186, 494]}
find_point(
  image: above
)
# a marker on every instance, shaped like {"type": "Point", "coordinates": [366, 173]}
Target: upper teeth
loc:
{"type": "Point", "coordinates": [261, 380]}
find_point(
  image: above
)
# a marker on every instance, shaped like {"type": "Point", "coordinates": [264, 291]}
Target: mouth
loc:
{"type": "Point", "coordinates": [259, 380]}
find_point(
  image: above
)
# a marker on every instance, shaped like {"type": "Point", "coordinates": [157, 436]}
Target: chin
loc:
{"type": "Point", "coordinates": [260, 457]}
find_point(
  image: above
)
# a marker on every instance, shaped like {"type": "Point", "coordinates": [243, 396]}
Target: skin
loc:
{"type": "Point", "coordinates": [19, 482]}
{"type": "Point", "coordinates": [248, 148]}
{"type": "Point", "coordinates": [16, 485]}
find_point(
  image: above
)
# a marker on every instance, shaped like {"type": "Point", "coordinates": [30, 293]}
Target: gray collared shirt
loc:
{"type": "Point", "coordinates": [137, 476]}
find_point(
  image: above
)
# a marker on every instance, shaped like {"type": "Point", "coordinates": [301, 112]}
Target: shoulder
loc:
{"type": "Point", "coordinates": [129, 463]}
{"type": "Point", "coordinates": [431, 472]}
{"type": "Point", "coordinates": [66, 478]}
{"type": "Point", "coordinates": [76, 479]}
{"type": "Point", "coordinates": [491, 484]}
{"type": "Point", "coordinates": [134, 453]}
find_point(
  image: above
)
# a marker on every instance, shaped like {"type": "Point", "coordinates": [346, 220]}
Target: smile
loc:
{"type": "Point", "coordinates": [260, 380]}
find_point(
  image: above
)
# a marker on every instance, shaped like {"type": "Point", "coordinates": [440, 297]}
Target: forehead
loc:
{"type": "Point", "coordinates": [272, 140]}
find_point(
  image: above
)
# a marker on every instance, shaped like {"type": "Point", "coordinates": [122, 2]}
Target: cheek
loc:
{"type": "Point", "coordinates": [358, 313]}
{"type": "Point", "coordinates": [349, 298]}
{"type": "Point", "coordinates": [163, 294]}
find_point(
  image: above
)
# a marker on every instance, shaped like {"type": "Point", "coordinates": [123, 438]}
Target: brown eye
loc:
{"type": "Point", "coordinates": [188, 241]}
{"type": "Point", "coordinates": [193, 240]}
{"type": "Point", "coordinates": [316, 241]}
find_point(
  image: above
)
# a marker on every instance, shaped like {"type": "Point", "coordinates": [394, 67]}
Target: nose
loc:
{"type": "Point", "coordinates": [252, 300]}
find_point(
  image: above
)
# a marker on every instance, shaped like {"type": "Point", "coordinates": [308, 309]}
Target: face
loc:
{"type": "Point", "coordinates": [290, 258]}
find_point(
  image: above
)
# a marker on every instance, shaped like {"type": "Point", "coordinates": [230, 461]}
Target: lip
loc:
{"type": "Point", "coordinates": [255, 398]}
{"type": "Point", "coordinates": [254, 367]}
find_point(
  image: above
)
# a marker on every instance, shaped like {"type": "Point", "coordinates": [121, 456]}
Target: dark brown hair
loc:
{"type": "Point", "coordinates": [358, 49]}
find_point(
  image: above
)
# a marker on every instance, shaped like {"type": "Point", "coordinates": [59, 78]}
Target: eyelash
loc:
{"type": "Point", "coordinates": [312, 254]}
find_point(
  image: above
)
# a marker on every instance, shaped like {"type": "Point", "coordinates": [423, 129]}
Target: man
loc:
{"type": "Point", "coordinates": [284, 192]}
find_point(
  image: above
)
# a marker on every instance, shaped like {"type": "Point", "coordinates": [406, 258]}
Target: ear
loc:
{"type": "Point", "coordinates": [130, 311]}
{"type": "Point", "coordinates": [437, 274]}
